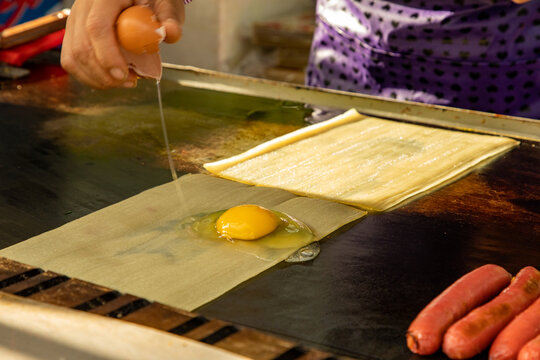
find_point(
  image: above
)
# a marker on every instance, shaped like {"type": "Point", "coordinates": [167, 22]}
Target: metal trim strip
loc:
{"type": "Point", "coordinates": [435, 115]}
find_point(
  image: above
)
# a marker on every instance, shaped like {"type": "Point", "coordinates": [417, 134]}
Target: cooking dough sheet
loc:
{"type": "Point", "coordinates": [138, 246]}
{"type": "Point", "coordinates": [362, 161]}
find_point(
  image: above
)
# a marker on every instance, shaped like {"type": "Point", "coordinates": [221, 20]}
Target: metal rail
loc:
{"type": "Point", "coordinates": [447, 117]}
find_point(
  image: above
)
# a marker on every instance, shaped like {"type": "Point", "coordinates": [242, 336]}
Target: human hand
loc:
{"type": "Point", "coordinates": [90, 51]}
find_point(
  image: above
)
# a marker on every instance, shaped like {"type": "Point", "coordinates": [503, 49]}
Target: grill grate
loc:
{"type": "Point", "coordinates": [292, 354]}
{"type": "Point", "coordinates": [220, 334]}
{"type": "Point", "coordinates": [189, 325]}
{"type": "Point", "coordinates": [128, 309]}
{"type": "Point", "coordinates": [42, 286]}
{"type": "Point", "coordinates": [20, 277]}
{"type": "Point", "coordinates": [98, 301]}
{"type": "Point", "coordinates": [27, 281]}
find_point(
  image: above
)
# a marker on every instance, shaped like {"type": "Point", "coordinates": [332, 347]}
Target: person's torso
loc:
{"type": "Point", "coordinates": [475, 54]}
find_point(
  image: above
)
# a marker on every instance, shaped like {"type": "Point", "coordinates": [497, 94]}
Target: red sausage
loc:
{"type": "Point", "coordinates": [425, 333]}
{"type": "Point", "coordinates": [522, 329]}
{"type": "Point", "coordinates": [531, 350]}
{"type": "Point", "coordinates": [474, 332]}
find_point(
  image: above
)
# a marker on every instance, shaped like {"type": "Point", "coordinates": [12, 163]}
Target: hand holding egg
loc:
{"type": "Point", "coordinates": [139, 34]}
{"type": "Point", "coordinates": [91, 51]}
{"type": "Point", "coordinates": [138, 30]}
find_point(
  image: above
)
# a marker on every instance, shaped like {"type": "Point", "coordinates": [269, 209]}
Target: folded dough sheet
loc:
{"type": "Point", "coordinates": [140, 246]}
{"type": "Point", "coordinates": [363, 161]}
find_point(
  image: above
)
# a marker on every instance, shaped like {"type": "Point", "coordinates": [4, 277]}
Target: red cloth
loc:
{"type": "Point", "coordinates": [19, 54]}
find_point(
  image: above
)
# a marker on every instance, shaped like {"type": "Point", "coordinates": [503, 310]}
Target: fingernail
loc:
{"type": "Point", "coordinates": [129, 84]}
{"type": "Point", "coordinates": [118, 74]}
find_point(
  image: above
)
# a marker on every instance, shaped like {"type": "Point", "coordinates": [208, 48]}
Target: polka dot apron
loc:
{"type": "Point", "coordinates": [474, 54]}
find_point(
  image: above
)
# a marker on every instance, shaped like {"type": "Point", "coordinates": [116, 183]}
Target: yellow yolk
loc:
{"type": "Point", "coordinates": [246, 222]}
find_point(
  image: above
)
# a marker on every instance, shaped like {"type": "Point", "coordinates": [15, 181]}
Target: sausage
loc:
{"type": "Point", "coordinates": [531, 350]}
{"type": "Point", "coordinates": [522, 329]}
{"type": "Point", "coordinates": [425, 333]}
{"type": "Point", "coordinates": [473, 333]}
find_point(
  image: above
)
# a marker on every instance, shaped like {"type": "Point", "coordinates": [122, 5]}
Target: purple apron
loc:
{"type": "Point", "coordinates": [473, 54]}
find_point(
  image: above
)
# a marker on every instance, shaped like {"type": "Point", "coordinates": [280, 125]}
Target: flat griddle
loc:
{"type": "Point", "coordinates": [371, 278]}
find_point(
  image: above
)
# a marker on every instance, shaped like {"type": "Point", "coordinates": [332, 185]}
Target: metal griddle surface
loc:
{"type": "Point", "coordinates": [64, 154]}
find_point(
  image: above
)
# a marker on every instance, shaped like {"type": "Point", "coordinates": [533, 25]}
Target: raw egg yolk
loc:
{"type": "Point", "coordinates": [139, 31]}
{"type": "Point", "coordinates": [246, 222]}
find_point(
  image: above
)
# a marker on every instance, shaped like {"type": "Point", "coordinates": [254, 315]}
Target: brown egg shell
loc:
{"type": "Point", "coordinates": [138, 31]}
